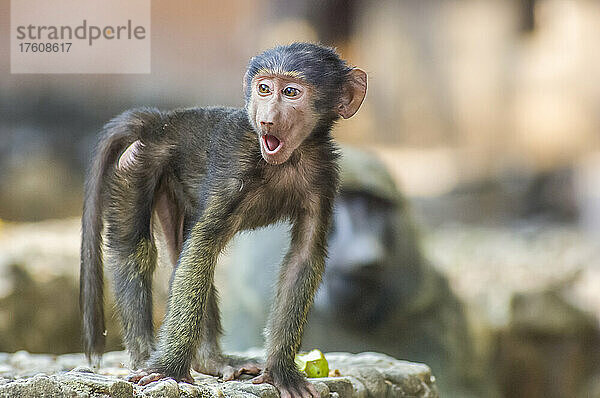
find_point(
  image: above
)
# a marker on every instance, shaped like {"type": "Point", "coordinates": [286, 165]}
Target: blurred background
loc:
{"type": "Point", "coordinates": [474, 164]}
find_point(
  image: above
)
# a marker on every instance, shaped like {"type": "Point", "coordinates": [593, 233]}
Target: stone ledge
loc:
{"type": "Point", "coordinates": [363, 375]}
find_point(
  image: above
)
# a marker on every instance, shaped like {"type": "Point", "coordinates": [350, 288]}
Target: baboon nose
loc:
{"type": "Point", "coordinates": [266, 126]}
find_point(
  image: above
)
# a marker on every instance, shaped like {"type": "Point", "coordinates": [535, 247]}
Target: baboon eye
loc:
{"type": "Point", "coordinates": [263, 89]}
{"type": "Point", "coordinates": [291, 92]}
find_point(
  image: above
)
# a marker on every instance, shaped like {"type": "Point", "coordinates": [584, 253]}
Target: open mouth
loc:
{"type": "Point", "coordinates": [271, 144]}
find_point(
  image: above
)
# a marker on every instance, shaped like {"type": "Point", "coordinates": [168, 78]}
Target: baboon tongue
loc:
{"type": "Point", "coordinates": [272, 142]}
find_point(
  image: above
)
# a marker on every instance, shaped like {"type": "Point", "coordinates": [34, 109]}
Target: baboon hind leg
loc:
{"type": "Point", "coordinates": [132, 253]}
{"type": "Point", "coordinates": [209, 358]}
{"type": "Point", "coordinates": [171, 217]}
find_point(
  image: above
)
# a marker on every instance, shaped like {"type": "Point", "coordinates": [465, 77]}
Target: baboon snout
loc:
{"type": "Point", "coordinates": [266, 126]}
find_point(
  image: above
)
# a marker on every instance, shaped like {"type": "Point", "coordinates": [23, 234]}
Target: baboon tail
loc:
{"type": "Point", "coordinates": [116, 135]}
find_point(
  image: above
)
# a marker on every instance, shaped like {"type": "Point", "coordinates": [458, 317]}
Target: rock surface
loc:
{"type": "Point", "coordinates": [362, 375]}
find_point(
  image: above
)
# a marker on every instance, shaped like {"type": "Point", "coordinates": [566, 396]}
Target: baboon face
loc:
{"type": "Point", "coordinates": [294, 91]}
{"type": "Point", "coordinates": [281, 111]}
{"type": "Point", "coordinates": [359, 256]}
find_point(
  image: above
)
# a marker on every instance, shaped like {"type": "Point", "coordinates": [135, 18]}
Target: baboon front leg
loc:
{"type": "Point", "coordinates": [299, 279]}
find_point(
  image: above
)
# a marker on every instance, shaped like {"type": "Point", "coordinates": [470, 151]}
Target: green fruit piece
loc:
{"type": "Point", "coordinates": [313, 364]}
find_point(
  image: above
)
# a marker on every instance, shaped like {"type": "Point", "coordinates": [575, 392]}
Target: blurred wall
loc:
{"type": "Point", "coordinates": [459, 90]}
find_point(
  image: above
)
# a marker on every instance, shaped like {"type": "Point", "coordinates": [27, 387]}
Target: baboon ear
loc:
{"type": "Point", "coordinates": [353, 93]}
